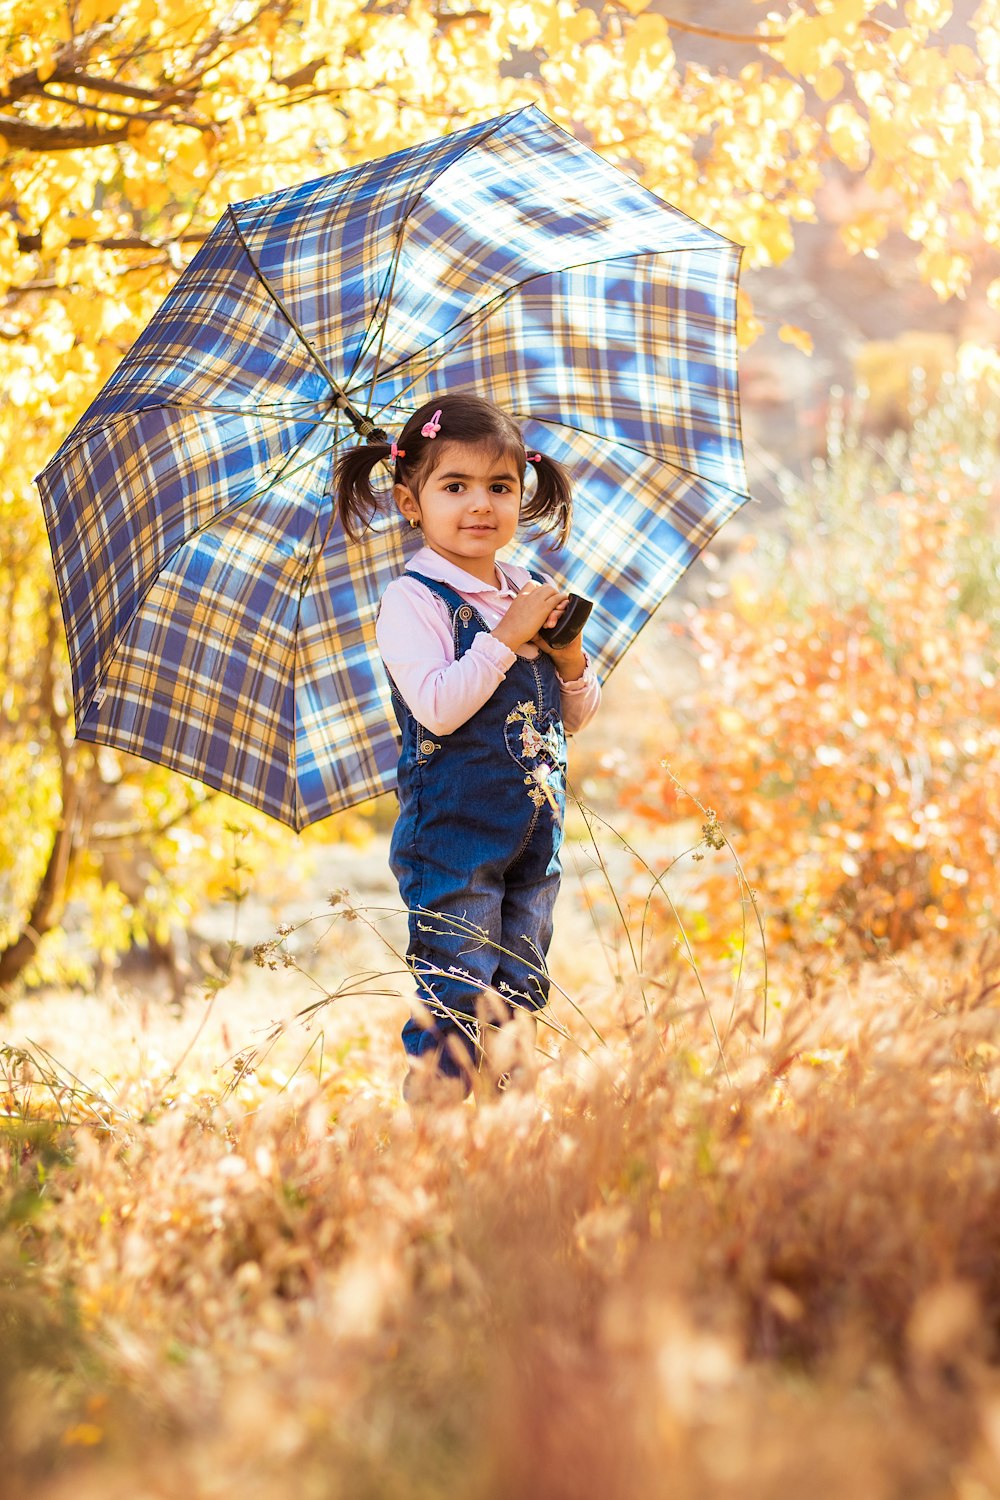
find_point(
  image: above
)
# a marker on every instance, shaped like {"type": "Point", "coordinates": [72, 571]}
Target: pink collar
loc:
{"type": "Point", "coordinates": [432, 564]}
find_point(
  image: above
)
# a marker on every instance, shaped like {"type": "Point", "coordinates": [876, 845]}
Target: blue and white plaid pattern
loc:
{"type": "Point", "coordinates": [218, 622]}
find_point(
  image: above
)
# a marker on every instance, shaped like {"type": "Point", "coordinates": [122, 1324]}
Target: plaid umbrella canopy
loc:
{"type": "Point", "coordinates": [218, 621]}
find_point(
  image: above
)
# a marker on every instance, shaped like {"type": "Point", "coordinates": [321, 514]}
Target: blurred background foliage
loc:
{"type": "Point", "coordinates": [126, 126]}
{"type": "Point", "coordinates": [844, 726]}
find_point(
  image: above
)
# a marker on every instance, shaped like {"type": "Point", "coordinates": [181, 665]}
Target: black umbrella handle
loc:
{"type": "Point", "coordinates": [569, 624]}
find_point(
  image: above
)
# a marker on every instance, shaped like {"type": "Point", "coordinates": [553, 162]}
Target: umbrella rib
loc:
{"type": "Point", "coordinates": [415, 198]}
{"type": "Point", "coordinates": [283, 473]}
{"type": "Point", "coordinates": [572, 427]}
{"type": "Point", "coordinates": [475, 321]}
{"type": "Point", "coordinates": [306, 582]}
{"type": "Point", "coordinates": [583, 431]}
{"type": "Point", "coordinates": [448, 349]}
{"type": "Point", "coordinates": [388, 308]}
{"type": "Point", "coordinates": [361, 424]}
{"type": "Point", "coordinates": [219, 515]}
{"type": "Point", "coordinates": [387, 285]}
{"type": "Point", "coordinates": [273, 410]}
{"type": "Point", "coordinates": [73, 441]}
{"type": "Point", "coordinates": [600, 437]}
{"type": "Point", "coordinates": [488, 308]}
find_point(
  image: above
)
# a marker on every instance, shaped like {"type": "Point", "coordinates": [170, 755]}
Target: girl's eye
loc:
{"type": "Point", "coordinates": [500, 489]}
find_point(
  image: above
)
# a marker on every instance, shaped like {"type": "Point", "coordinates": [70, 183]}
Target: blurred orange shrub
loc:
{"type": "Point", "coordinates": [846, 727]}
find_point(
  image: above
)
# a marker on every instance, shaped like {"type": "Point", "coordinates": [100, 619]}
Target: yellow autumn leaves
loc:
{"type": "Point", "coordinates": [922, 123]}
{"type": "Point", "coordinates": [128, 125]}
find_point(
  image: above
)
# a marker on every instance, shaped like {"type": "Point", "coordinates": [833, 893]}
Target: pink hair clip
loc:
{"type": "Point", "coordinates": [396, 453]}
{"type": "Point", "coordinates": [534, 458]}
{"type": "Point", "coordinates": [433, 427]}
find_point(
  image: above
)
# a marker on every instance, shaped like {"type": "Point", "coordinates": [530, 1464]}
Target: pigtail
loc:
{"type": "Point", "coordinates": [356, 500]}
{"type": "Point", "coordinates": [551, 505]}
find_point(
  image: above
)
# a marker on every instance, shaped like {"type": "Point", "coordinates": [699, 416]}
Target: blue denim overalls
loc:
{"type": "Point", "coordinates": [476, 845]}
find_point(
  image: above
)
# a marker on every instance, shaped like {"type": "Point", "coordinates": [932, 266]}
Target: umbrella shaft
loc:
{"type": "Point", "coordinates": [363, 426]}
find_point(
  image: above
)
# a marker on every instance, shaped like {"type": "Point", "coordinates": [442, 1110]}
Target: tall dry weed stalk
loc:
{"type": "Point", "coordinates": [656, 1277]}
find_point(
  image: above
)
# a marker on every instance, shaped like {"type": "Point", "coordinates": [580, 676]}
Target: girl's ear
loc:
{"type": "Point", "coordinates": [406, 502]}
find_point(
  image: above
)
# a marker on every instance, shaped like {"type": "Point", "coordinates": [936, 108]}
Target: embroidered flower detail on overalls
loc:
{"type": "Point", "coordinates": [537, 782]}
{"type": "Point", "coordinates": [542, 778]}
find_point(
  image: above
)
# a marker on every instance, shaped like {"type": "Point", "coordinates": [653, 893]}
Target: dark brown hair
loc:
{"type": "Point", "coordinates": [464, 419]}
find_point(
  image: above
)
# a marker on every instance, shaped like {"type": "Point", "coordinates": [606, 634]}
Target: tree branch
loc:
{"type": "Point", "coordinates": [448, 18]}
{"type": "Point", "coordinates": [143, 116]}
{"type": "Point", "coordinates": [27, 84]}
{"type": "Point", "coordinates": [103, 837]}
{"type": "Point", "coordinates": [754, 38]}
{"type": "Point", "coordinates": [26, 136]}
{"type": "Point", "coordinates": [302, 76]}
{"type": "Point", "coordinates": [32, 243]}
{"type": "Point", "coordinates": [50, 284]}
{"type": "Point", "coordinates": [200, 61]}
{"type": "Point", "coordinates": [98, 85]}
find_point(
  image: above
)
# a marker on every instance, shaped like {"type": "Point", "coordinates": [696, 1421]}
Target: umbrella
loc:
{"type": "Point", "coordinates": [218, 621]}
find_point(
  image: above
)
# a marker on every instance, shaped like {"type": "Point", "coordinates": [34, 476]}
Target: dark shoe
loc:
{"type": "Point", "coordinates": [426, 1086]}
{"type": "Point", "coordinates": [509, 1064]}
{"type": "Point", "coordinates": [440, 1075]}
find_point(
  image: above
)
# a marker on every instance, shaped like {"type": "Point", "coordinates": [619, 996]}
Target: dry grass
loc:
{"type": "Point", "coordinates": [653, 1278]}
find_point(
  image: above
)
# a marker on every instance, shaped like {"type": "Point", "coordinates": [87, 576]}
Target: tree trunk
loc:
{"type": "Point", "coordinates": [50, 898]}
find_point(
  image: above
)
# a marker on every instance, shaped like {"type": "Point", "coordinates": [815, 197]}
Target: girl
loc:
{"type": "Point", "coordinates": [482, 704]}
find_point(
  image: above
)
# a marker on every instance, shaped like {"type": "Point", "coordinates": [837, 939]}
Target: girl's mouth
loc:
{"type": "Point", "coordinates": [478, 528]}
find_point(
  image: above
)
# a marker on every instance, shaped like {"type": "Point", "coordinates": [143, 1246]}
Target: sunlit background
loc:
{"type": "Point", "coordinates": [740, 1238]}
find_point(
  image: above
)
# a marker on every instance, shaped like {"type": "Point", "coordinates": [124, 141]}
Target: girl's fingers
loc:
{"type": "Point", "coordinates": [536, 605]}
{"type": "Point", "coordinates": [544, 596]}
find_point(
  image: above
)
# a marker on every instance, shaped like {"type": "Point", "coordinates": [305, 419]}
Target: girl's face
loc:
{"type": "Point", "coordinates": [468, 506]}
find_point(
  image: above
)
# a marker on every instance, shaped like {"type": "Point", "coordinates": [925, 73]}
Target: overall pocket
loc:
{"type": "Point", "coordinates": [536, 744]}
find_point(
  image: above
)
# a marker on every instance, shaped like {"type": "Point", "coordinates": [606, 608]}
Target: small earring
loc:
{"type": "Point", "coordinates": [413, 522]}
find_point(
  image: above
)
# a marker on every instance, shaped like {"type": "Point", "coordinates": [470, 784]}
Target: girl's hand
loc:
{"type": "Point", "coordinates": [536, 605]}
{"type": "Point", "coordinates": [570, 662]}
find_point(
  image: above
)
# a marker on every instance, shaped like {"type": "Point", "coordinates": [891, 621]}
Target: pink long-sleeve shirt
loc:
{"type": "Point", "coordinates": [414, 635]}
